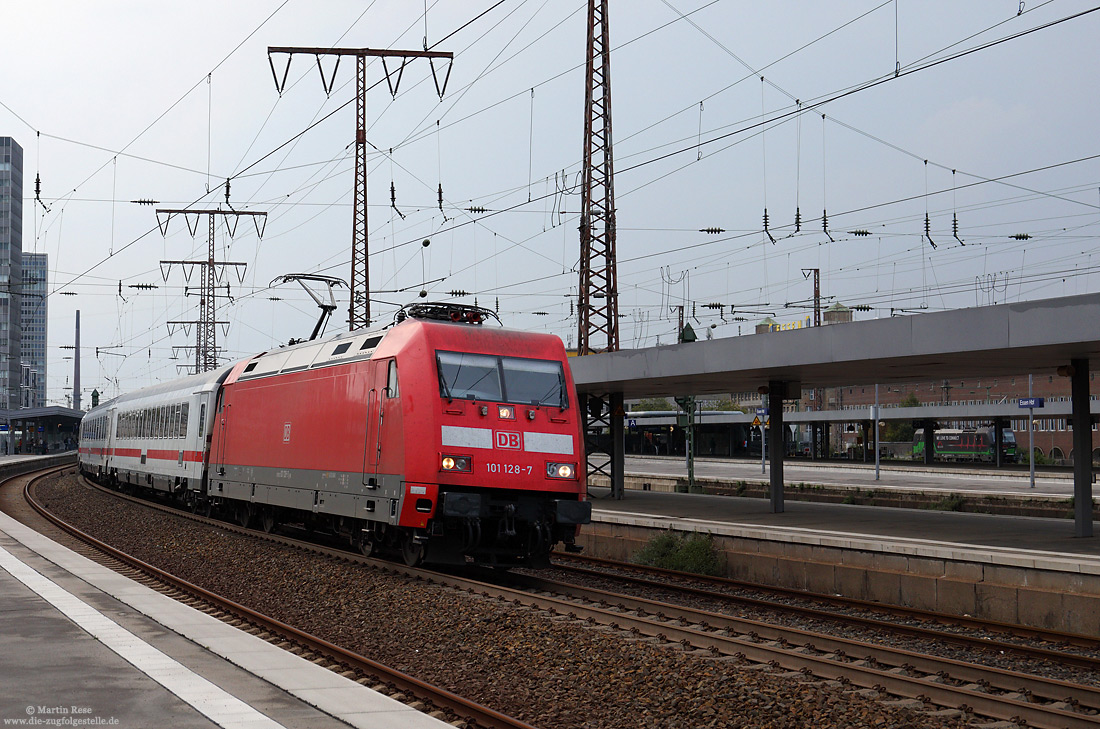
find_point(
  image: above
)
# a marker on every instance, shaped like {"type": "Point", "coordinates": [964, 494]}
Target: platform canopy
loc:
{"type": "Point", "coordinates": [987, 341]}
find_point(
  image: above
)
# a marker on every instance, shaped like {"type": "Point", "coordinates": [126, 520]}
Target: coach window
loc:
{"type": "Point", "coordinates": [391, 380]}
{"type": "Point", "coordinates": [183, 428]}
{"type": "Point", "coordinates": [202, 419]}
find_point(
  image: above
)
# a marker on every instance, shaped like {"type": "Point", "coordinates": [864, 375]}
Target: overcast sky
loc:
{"type": "Point", "coordinates": [121, 101]}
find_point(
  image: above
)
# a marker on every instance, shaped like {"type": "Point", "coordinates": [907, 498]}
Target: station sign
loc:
{"type": "Point", "coordinates": [632, 423]}
{"type": "Point", "coordinates": [1032, 402]}
{"type": "Point", "coordinates": [762, 411]}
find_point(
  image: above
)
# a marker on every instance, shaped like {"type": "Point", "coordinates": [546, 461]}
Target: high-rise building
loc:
{"type": "Point", "coordinates": [33, 324]}
{"type": "Point", "coordinates": [11, 270]}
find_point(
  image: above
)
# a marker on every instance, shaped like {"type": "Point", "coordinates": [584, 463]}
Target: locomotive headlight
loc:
{"type": "Point", "coordinates": [460, 464]}
{"type": "Point", "coordinates": [506, 412]}
{"type": "Point", "coordinates": [560, 470]}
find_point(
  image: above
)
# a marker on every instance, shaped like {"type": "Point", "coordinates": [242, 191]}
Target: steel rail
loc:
{"type": "Point", "coordinates": [471, 711]}
{"type": "Point", "coordinates": [1022, 631]}
{"type": "Point", "coordinates": [917, 631]}
{"type": "Point", "coordinates": [779, 650]}
{"type": "Point", "coordinates": [1050, 689]}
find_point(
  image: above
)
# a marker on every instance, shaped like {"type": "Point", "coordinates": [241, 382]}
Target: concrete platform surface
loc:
{"type": "Point", "coordinates": [88, 646]}
{"type": "Point", "coordinates": [940, 478]}
{"type": "Point", "coordinates": [947, 534]}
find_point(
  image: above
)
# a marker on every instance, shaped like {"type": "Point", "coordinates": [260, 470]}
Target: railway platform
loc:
{"type": "Point", "coordinates": [1014, 569]}
{"type": "Point", "coordinates": [81, 645]}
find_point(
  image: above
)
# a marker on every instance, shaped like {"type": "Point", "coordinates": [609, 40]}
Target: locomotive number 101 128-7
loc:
{"type": "Point", "coordinates": [509, 468]}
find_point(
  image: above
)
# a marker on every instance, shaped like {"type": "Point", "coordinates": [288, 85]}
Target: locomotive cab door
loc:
{"type": "Point", "coordinates": [381, 451]}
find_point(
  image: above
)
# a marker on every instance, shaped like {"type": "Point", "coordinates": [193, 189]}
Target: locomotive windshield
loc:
{"type": "Point", "coordinates": [464, 376]}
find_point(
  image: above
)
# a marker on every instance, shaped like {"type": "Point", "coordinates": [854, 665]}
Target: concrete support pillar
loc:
{"type": "Point", "coordinates": [618, 446]}
{"type": "Point", "coordinates": [1082, 449]}
{"type": "Point", "coordinates": [776, 442]}
{"type": "Point", "coordinates": [998, 440]}
{"type": "Point", "coordinates": [929, 441]}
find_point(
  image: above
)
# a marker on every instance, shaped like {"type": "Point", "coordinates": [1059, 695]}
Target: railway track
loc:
{"type": "Point", "coordinates": [919, 677]}
{"type": "Point", "coordinates": [379, 677]}
{"type": "Point", "coordinates": [922, 624]}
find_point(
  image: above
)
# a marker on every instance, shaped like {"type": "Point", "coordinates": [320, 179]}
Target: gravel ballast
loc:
{"type": "Point", "coordinates": [549, 672]}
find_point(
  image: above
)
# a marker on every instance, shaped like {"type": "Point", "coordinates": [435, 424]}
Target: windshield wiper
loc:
{"type": "Point", "coordinates": [443, 383]}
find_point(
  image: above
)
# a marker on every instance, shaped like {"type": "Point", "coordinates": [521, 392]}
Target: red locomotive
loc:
{"type": "Point", "coordinates": [440, 438]}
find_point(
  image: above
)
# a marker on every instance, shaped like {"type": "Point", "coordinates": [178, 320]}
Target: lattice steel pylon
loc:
{"type": "Point", "coordinates": [359, 300]}
{"type": "Point", "coordinates": [599, 294]}
{"type": "Point", "coordinates": [206, 342]}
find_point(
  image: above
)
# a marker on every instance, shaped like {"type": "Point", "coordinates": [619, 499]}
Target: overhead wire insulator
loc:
{"type": "Point", "coordinates": [476, 209]}
{"type": "Point", "coordinates": [768, 232]}
{"type": "Point", "coordinates": [861, 307]}
{"type": "Point", "coordinates": [458, 292]}
{"type": "Point", "coordinates": [393, 200]}
{"type": "Point", "coordinates": [541, 313]}
{"type": "Point", "coordinates": [145, 201]}
{"type": "Point", "coordinates": [955, 228]}
{"type": "Point", "coordinates": [797, 220]}
{"type": "Point", "coordinates": [441, 197]}
{"type": "Point", "coordinates": [928, 230]}
{"type": "Point", "coordinates": [143, 286]}
{"type": "Point", "coordinates": [825, 225]}
{"type": "Point", "coordinates": [712, 231]}
{"type": "Point", "coordinates": [714, 305]}
{"type": "Point", "coordinates": [1020, 236]}
{"type": "Point", "coordinates": [859, 233]}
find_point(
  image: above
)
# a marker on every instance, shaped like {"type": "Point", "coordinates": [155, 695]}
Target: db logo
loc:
{"type": "Point", "coordinates": [505, 439]}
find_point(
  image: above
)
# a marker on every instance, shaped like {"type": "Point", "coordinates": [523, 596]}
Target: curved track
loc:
{"type": "Point", "coordinates": [339, 659]}
{"type": "Point", "coordinates": [987, 691]}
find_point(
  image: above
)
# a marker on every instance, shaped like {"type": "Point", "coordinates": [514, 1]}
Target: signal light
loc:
{"type": "Point", "coordinates": [506, 412]}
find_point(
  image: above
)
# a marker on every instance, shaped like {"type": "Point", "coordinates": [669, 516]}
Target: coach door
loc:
{"type": "Point", "coordinates": [109, 444]}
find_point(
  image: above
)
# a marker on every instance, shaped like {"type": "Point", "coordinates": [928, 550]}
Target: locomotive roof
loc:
{"type": "Point", "coordinates": [329, 351]}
